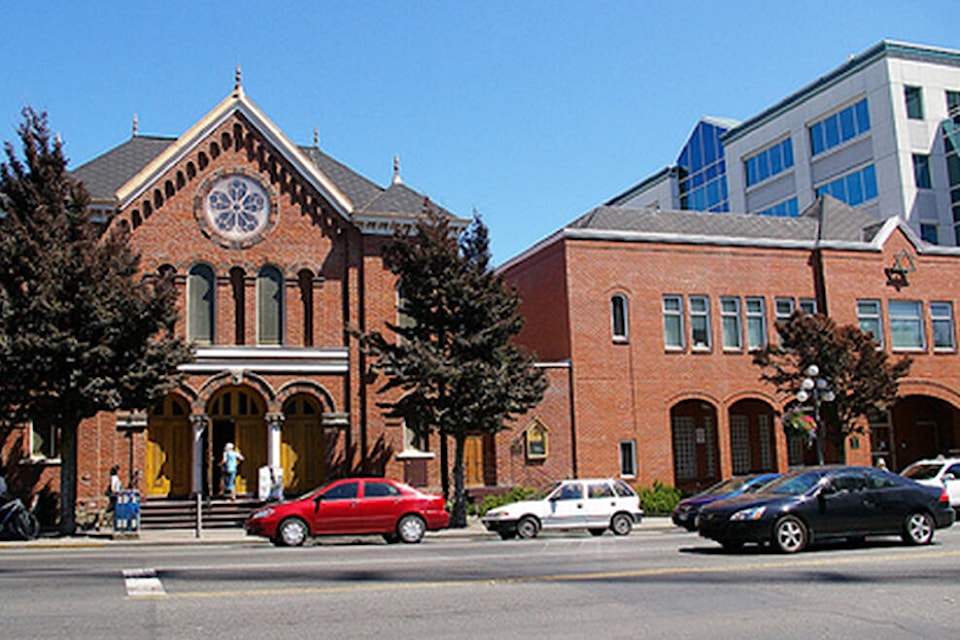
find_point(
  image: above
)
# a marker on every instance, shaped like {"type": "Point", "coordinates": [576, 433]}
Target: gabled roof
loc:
{"type": "Point", "coordinates": [106, 173]}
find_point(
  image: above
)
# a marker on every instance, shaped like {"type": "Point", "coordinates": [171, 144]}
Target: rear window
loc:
{"type": "Point", "coordinates": [924, 471]}
{"type": "Point", "coordinates": [623, 489]}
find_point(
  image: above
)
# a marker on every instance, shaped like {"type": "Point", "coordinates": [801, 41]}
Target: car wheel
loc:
{"type": "Point", "coordinates": [790, 534]}
{"type": "Point", "coordinates": [528, 527]}
{"type": "Point", "coordinates": [292, 532]}
{"type": "Point", "coordinates": [391, 538]}
{"type": "Point", "coordinates": [621, 524]}
{"type": "Point", "coordinates": [597, 532]}
{"type": "Point", "coordinates": [918, 528]}
{"type": "Point", "coordinates": [411, 529]}
{"type": "Point", "coordinates": [508, 535]}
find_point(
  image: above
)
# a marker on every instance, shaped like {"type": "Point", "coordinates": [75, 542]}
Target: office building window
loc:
{"type": "Point", "coordinates": [854, 188]}
{"type": "Point", "coordinates": [618, 312]}
{"type": "Point", "coordinates": [673, 322]}
{"type": "Point", "coordinates": [953, 105]}
{"type": "Point", "coordinates": [785, 209]}
{"type": "Point", "coordinates": [914, 99]}
{"type": "Point", "coordinates": [201, 293]}
{"type": "Point", "coordinates": [868, 317]}
{"type": "Point", "coordinates": [730, 321]}
{"type": "Point", "coordinates": [951, 149]}
{"type": "Point", "coordinates": [769, 162]}
{"type": "Point", "coordinates": [839, 127]}
{"type": "Point", "coordinates": [700, 322]}
{"type": "Point", "coordinates": [756, 323]}
{"type": "Point", "coordinates": [929, 233]}
{"type": "Point", "coordinates": [628, 458]}
{"type": "Point", "coordinates": [941, 317]}
{"type": "Point", "coordinates": [702, 169]}
{"type": "Point", "coordinates": [921, 171]}
{"type": "Point", "coordinates": [906, 324]}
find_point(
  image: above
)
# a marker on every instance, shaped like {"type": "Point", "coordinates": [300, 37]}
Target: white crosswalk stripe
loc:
{"type": "Point", "coordinates": [143, 583]}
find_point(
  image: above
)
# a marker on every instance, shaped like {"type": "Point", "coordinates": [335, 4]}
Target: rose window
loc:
{"type": "Point", "coordinates": [237, 207]}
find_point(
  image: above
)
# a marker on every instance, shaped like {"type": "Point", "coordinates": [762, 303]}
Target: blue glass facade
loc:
{"type": "Point", "coordinates": [703, 182]}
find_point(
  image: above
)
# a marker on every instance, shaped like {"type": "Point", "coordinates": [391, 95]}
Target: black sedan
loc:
{"type": "Point", "coordinates": [823, 503]}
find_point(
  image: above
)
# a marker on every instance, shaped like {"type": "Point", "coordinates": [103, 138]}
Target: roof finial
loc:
{"type": "Point", "coordinates": [136, 125]}
{"type": "Point", "coordinates": [316, 137]}
{"type": "Point", "coordinates": [396, 170]}
{"type": "Point", "coordinates": [238, 77]}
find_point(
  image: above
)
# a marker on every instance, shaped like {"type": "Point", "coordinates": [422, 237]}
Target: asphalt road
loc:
{"type": "Point", "coordinates": [647, 585]}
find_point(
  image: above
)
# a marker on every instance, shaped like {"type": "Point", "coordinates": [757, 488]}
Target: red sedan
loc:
{"type": "Point", "coordinates": [351, 506]}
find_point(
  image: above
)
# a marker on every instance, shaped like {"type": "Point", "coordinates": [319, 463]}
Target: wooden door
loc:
{"type": "Point", "coordinates": [473, 461]}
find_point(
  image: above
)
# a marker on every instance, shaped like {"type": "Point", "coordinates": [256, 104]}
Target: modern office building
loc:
{"type": "Point", "coordinates": [879, 132]}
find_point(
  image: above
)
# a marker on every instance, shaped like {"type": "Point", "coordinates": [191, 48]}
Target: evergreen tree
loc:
{"type": "Point", "coordinates": [860, 375]}
{"type": "Point", "coordinates": [80, 330]}
{"type": "Point", "coordinates": [453, 356]}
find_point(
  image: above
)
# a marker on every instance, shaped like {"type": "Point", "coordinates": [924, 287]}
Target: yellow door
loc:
{"type": "Point", "coordinates": [169, 450]}
{"type": "Point", "coordinates": [251, 437]}
{"type": "Point", "coordinates": [303, 447]}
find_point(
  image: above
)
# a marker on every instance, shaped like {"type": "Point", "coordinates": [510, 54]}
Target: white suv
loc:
{"type": "Point", "coordinates": [595, 505]}
{"type": "Point", "coordinates": [937, 472]}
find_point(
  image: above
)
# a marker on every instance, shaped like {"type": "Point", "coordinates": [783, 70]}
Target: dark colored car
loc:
{"type": "Point", "coordinates": [686, 513]}
{"type": "Point", "coordinates": [823, 503]}
{"type": "Point", "coordinates": [352, 506]}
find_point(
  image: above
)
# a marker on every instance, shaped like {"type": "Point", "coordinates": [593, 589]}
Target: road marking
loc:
{"type": "Point", "coordinates": [571, 577]}
{"type": "Point", "coordinates": [143, 583]}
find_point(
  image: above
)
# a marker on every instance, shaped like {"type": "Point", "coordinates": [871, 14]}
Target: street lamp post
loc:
{"type": "Point", "coordinates": [819, 390]}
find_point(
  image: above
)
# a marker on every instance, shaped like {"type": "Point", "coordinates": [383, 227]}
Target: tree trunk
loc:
{"type": "Point", "coordinates": [458, 519]}
{"type": "Point", "coordinates": [68, 478]}
{"type": "Point", "coordinates": [444, 467]}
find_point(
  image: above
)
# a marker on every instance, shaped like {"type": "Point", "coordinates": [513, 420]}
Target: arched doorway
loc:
{"type": "Point", "coordinates": [302, 444]}
{"type": "Point", "coordinates": [695, 454]}
{"type": "Point", "coordinates": [752, 442]}
{"type": "Point", "coordinates": [922, 427]}
{"type": "Point", "coordinates": [236, 415]}
{"type": "Point", "coordinates": [169, 449]}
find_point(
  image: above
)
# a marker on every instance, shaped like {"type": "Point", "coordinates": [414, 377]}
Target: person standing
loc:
{"type": "Point", "coordinates": [231, 460]}
{"type": "Point", "coordinates": [114, 490]}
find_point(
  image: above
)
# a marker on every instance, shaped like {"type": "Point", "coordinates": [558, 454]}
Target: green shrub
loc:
{"type": "Point", "coordinates": [661, 500]}
{"type": "Point", "coordinates": [492, 501]}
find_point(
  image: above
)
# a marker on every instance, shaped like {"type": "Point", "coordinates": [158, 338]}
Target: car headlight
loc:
{"type": "Point", "coordinates": [753, 513]}
{"type": "Point", "coordinates": [263, 513]}
{"type": "Point", "coordinates": [494, 515]}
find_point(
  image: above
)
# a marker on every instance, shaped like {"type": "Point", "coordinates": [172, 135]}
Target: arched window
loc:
{"type": "Point", "coordinates": [269, 306]}
{"type": "Point", "coordinates": [618, 314]}
{"type": "Point", "coordinates": [201, 293]}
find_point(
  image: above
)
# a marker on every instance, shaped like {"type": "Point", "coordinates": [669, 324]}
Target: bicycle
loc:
{"type": "Point", "coordinates": [18, 521]}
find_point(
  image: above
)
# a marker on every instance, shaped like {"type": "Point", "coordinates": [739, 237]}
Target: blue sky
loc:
{"type": "Point", "coordinates": [531, 112]}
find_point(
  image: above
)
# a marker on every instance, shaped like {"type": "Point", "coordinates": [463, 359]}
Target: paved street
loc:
{"type": "Point", "coordinates": [657, 582]}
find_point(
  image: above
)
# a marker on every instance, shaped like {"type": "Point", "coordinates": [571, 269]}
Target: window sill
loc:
{"type": "Point", "coordinates": [770, 179]}
{"type": "Point", "coordinates": [39, 461]}
{"type": "Point", "coordinates": [415, 454]}
{"type": "Point", "coordinates": [621, 340]}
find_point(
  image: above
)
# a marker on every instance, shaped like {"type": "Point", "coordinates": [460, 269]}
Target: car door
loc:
{"type": "Point", "coordinates": [338, 508]}
{"type": "Point", "coordinates": [844, 506]}
{"type": "Point", "coordinates": [380, 508]}
{"type": "Point", "coordinates": [600, 504]}
{"type": "Point", "coordinates": [953, 484]}
{"type": "Point", "coordinates": [566, 507]}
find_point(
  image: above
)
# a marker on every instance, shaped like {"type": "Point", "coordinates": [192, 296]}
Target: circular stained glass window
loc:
{"type": "Point", "coordinates": [237, 207]}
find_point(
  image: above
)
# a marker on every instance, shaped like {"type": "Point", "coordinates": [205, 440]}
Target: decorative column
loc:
{"type": "Point", "coordinates": [199, 423]}
{"type": "Point", "coordinates": [274, 425]}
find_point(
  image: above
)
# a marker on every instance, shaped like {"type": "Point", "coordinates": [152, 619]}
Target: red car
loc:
{"type": "Point", "coordinates": [351, 506]}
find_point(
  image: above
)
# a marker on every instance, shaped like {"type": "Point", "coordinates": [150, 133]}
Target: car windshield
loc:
{"type": "Point", "coordinates": [725, 487]}
{"type": "Point", "coordinates": [923, 471]}
{"type": "Point", "coordinates": [792, 485]}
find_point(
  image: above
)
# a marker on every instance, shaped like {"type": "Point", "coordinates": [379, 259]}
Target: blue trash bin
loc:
{"type": "Point", "coordinates": [126, 516]}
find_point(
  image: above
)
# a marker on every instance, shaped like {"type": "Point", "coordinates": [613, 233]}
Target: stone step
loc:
{"type": "Point", "coordinates": [181, 514]}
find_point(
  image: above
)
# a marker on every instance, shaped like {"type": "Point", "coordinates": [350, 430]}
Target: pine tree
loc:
{"type": "Point", "coordinates": [81, 331]}
{"type": "Point", "coordinates": [453, 357]}
{"type": "Point", "coordinates": [860, 375]}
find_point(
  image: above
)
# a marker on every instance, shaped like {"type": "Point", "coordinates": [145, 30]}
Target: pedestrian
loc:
{"type": "Point", "coordinates": [113, 491]}
{"type": "Point", "coordinates": [231, 460]}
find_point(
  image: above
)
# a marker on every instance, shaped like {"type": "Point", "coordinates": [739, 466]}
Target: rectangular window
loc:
{"type": "Point", "coordinates": [769, 162]}
{"type": "Point", "coordinates": [756, 323]}
{"type": "Point", "coordinates": [785, 209]}
{"type": "Point", "coordinates": [700, 322]}
{"type": "Point", "coordinates": [854, 188]}
{"type": "Point", "coordinates": [953, 105]}
{"type": "Point", "coordinates": [673, 322]}
{"type": "Point", "coordinates": [808, 305]}
{"type": "Point", "coordinates": [783, 308]}
{"type": "Point", "coordinates": [921, 171]}
{"type": "Point", "coordinates": [618, 312]}
{"type": "Point", "coordinates": [868, 316]}
{"type": "Point", "coordinates": [44, 439]}
{"type": "Point", "coordinates": [906, 324]}
{"type": "Point", "coordinates": [839, 127]}
{"type": "Point", "coordinates": [730, 320]}
{"type": "Point", "coordinates": [929, 233]}
{"type": "Point", "coordinates": [914, 99]}
{"type": "Point", "coordinates": [628, 458]}
{"type": "Point", "coordinates": [941, 316]}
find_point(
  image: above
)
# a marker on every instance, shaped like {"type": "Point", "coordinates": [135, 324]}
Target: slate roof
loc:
{"type": "Point", "coordinates": [105, 174]}
{"type": "Point", "coordinates": [840, 222]}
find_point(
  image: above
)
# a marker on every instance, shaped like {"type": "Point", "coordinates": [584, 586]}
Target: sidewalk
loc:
{"type": "Point", "coordinates": [236, 536]}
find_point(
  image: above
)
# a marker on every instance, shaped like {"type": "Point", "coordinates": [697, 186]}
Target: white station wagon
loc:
{"type": "Point", "coordinates": [593, 504]}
